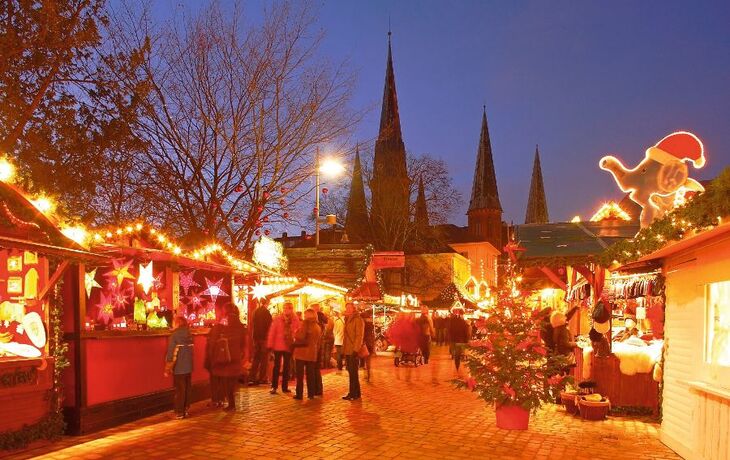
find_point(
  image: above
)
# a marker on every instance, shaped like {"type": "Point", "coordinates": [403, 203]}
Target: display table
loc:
{"type": "Point", "coordinates": [634, 391]}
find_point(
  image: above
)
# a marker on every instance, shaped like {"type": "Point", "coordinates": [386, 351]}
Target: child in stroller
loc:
{"type": "Point", "coordinates": [405, 334]}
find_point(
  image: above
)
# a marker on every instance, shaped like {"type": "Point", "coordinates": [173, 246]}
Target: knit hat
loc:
{"type": "Point", "coordinates": [601, 312]}
{"type": "Point", "coordinates": [557, 319]}
{"type": "Point", "coordinates": [679, 146]}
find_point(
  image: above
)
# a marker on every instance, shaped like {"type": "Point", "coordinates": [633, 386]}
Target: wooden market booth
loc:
{"type": "Point", "coordinates": [566, 255]}
{"type": "Point", "coordinates": [696, 371]}
{"type": "Point", "coordinates": [34, 257]}
{"type": "Point", "coordinates": [119, 331]}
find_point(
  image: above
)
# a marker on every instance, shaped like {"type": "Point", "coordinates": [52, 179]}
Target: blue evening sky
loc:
{"type": "Point", "coordinates": [580, 78]}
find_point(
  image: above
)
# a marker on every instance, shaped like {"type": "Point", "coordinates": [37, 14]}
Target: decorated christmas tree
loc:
{"type": "Point", "coordinates": [510, 366]}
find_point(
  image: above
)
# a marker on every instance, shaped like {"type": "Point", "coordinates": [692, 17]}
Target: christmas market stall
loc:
{"type": "Point", "coordinates": [35, 256]}
{"type": "Point", "coordinates": [124, 315]}
{"type": "Point", "coordinates": [691, 248]}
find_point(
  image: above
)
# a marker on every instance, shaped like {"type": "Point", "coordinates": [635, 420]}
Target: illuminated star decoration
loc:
{"type": "Point", "coordinates": [214, 289]}
{"type": "Point", "coordinates": [119, 298]}
{"type": "Point", "coordinates": [259, 290]}
{"type": "Point", "coordinates": [240, 293]}
{"type": "Point", "coordinates": [106, 309]}
{"type": "Point", "coordinates": [121, 271]}
{"type": "Point", "coordinates": [187, 281]}
{"type": "Point", "coordinates": [146, 278]}
{"type": "Point", "coordinates": [90, 281]}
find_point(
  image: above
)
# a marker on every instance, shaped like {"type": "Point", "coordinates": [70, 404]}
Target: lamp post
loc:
{"type": "Point", "coordinates": [329, 167]}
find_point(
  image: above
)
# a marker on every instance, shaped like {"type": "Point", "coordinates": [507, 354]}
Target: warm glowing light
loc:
{"type": "Point", "coordinates": [77, 234]}
{"type": "Point", "coordinates": [146, 279]}
{"type": "Point", "coordinates": [44, 204]}
{"type": "Point", "coordinates": [575, 219]}
{"type": "Point", "coordinates": [268, 253]}
{"type": "Point", "coordinates": [610, 211]}
{"type": "Point", "coordinates": [331, 167]}
{"type": "Point", "coordinates": [7, 170]}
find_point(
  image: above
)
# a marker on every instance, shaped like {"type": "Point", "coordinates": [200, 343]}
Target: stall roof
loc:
{"type": "Point", "coordinates": [572, 241]}
{"type": "Point", "coordinates": [78, 254]}
{"type": "Point", "coordinates": [674, 247]}
{"type": "Point", "coordinates": [338, 264]}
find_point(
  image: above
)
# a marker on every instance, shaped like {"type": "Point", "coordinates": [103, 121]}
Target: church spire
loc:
{"type": "Point", "coordinates": [390, 186]}
{"type": "Point", "coordinates": [357, 223]}
{"type": "Point", "coordinates": [420, 218]}
{"type": "Point", "coordinates": [537, 211]}
{"type": "Point", "coordinates": [484, 194]}
{"type": "Point", "coordinates": [485, 210]}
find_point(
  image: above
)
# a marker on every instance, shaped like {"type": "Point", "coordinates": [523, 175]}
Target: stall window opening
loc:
{"type": "Point", "coordinates": [717, 339]}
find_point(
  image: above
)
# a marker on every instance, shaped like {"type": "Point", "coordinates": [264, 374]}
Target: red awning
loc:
{"type": "Point", "coordinates": [367, 291]}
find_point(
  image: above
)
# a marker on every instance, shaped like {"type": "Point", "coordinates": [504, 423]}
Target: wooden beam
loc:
{"type": "Point", "coordinates": [53, 280]}
{"type": "Point", "coordinates": [554, 277]}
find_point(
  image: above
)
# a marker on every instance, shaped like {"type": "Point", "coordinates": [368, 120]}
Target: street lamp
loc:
{"type": "Point", "coordinates": [329, 167]}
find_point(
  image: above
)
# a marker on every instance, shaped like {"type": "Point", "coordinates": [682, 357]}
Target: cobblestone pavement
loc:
{"type": "Point", "coordinates": [405, 413]}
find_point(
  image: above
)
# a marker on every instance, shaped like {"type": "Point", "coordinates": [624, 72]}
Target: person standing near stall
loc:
{"type": "Point", "coordinates": [280, 340]}
{"type": "Point", "coordinates": [338, 331]}
{"type": "Point", "coordinates": [179, 361]}
{"type": "Point", "coordinates": [352, 342]}
{"type": "Point", "coordinates": [322, 323]}
{"type": "Point", "coordinates": [306, 353]}
{"type": "Point", "coordinates": [226, 350]}
{"type": "Point", "coordinates": [261, 323]}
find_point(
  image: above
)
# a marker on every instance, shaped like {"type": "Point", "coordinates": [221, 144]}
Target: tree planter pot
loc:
{"type": "Point", "coordinates": [511, 417]}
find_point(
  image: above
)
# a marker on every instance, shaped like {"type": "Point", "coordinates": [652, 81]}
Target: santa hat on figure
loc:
{"type": "Point", "coordinates": [679, 146]}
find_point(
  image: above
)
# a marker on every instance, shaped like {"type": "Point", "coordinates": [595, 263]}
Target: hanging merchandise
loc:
{"type": "Point", "coordinates": [120, 271]}
{"type": "Point", "coordinates": [146, 278]}
{"type": "Point", "coordinates": [34, 329]}
{"type": "Point", "coordinates": [90, 282]}
{"type": "Point", "coordinates": [187, 281]}
{"type": "Point", "coordinates": [30, 290]}
{"type": "Point", "coordinates": [214, 289]}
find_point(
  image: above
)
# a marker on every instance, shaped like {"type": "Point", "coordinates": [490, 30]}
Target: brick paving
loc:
{"type": "Point", "coordinates": [405, 413]}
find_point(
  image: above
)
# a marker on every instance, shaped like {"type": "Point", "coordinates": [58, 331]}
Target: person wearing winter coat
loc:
{"type": "Point", "coordinates": [459, 335]}
{"type": "Point", "coordinates": [561, 336]}
{"type": "Point", "coordinates": [338, 331]}
{"type": "Point", "coordinates": [224, 354]}
{"type": "Point", "coordinates": [261, 323]}
{"type": "Point", "coordinates": [352, 342]}
{"type": "Point", "coordinates": [322, 323]}
{"type": "Point", "coordinates": [179, 361]}
{"type": "Point", "coordinates": [427, 332]}
{"type": "Point", "coordinates": [280, 341]}
{"type": "Point", "coordinates": [306, 352]}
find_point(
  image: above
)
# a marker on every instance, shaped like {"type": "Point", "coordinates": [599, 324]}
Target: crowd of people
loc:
{"type": "Point", "coordinates": [299, 345]}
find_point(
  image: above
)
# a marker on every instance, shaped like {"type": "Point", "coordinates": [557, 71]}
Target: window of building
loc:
{"type": "Point", "coordinates": [717, 329]}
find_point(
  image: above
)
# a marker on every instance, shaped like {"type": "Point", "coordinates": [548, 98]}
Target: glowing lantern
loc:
{"type": "Point", "coordinates": [268, 253]}
{"type": "Point", "coordinates": [7, 170]}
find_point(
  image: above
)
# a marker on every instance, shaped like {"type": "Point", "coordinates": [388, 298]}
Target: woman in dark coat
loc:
{"type": "Point", "coordinates": [224, 354]}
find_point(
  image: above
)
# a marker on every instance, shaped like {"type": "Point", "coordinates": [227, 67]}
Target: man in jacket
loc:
{"type": "Point", "coordinates": [179, 360]}
{"type": "Point", "coordinates": [321, 319]}
{"type": "Point", "coordinates": [338, 331]}
{"type": "Point", "coordinates": [280, 340]}
{"type": "Point", "coordinates": [352, 342]}
{"type": "Point", "coordinates": [459, 335]}
{"type": "Point", "coordinates": [261, 323]}
{"type": "Point", "coordinates": [427, 333]}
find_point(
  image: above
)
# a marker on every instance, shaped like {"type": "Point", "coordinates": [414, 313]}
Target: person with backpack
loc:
{"type": "Point", "coordinates": [224, 354]}
{"type": "Point", "coordinates": [306, 351]}
{"type": "Point", "coordinates": [280, 341]}
{"type": "Point", "coordinates": [179, 361]}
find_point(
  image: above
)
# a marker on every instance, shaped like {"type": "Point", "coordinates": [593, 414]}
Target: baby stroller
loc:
{"type": "Point", "coordinates": [407, 358]}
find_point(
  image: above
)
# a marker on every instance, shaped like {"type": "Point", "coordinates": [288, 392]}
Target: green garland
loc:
{"type": "Point", "coordinates": [702, 212]}
{"type": "Point", "coordinates": [53, 425]}
{"type": "Point", "coordinates": [360, 277]}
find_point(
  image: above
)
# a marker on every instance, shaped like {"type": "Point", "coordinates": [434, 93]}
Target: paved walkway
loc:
{"type": "Point", "coordinates": [405, 413]}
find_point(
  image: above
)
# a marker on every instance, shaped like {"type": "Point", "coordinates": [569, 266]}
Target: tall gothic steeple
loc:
{"type": "Point", "coordinates": [537, 211]}
{"type": "Point", "coordinates": [390, 184]}
{"type": "Point", "coordinates": [357, 222]}
{"type": "Point", "coordinates": [485, 210]}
